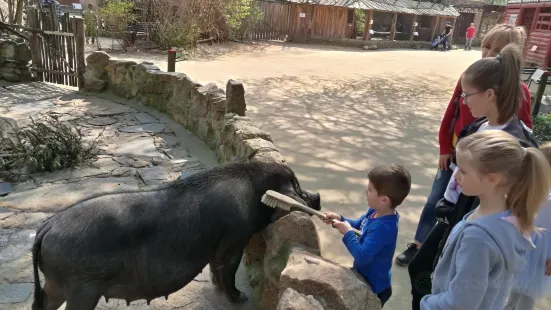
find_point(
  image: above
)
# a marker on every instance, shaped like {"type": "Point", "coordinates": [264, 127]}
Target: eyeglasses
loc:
{"type": "Point", "coordinates": [465, 96]}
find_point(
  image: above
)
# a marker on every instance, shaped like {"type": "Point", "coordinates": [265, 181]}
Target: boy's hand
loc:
{"type": "Point", "coordinates": [330, 216]}
{"type": "Point", "coordinates": [548, 267]}
{"type": "Point", "coordinates": [343, 227]}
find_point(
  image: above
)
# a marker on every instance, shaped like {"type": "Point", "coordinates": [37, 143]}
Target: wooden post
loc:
{"type": "Point", "coordinates": [368, 25]}
{"type": "Point", "coordinates": [434, 27]}
{"type": "Point", "coordinates": [393, 27]}
{"type": "Point", "coordinates": [451, 33]}
{"type": "Point", "coordinates": [413, 27]}
{"type": "Point", "coordinates": [171, 66]}
{"type": "Point", "coordinates": [535, 21]}
{"type": "Point", "coordinates": [520, 16]}
{"type": "Point", "coordinates": [78, 24]}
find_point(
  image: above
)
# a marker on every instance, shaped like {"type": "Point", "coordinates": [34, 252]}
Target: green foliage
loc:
{"type": "Point", "coordinates": [176, 34]}
{"type": "Point", "coordinates": [360, 22]}
{"type": "Point", "coordinates": [242, 17]}
{"type": "Point", "coordinates": [542, 128]}
{"type": "Point", "coordinates": [44, 147]}
{"type": "Point", "coordinates": [117, 16]}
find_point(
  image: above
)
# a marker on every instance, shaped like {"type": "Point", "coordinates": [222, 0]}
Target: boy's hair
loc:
{"type": "Point", "coordinates": [393, 181]}
{"type": "Point", "coordinates": [502, 74]}
{"type": "Point", "coordinates": [503, 34]}
{"type": "Point", "coordinates": [527, 172]}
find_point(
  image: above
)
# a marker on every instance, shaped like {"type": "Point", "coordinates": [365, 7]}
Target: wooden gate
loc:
{"type": "Point", "coordinates": [57, 46]}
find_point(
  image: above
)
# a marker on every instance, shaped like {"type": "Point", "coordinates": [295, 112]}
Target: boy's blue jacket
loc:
{"type": "Point", "coordinates": [374, 250]}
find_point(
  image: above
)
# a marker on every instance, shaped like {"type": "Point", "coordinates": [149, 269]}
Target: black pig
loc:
{"type": "Point", "coordinates": [144, 245]}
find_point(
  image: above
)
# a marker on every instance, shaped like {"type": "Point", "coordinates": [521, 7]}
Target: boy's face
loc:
{"type": "Point", "coordinates": [374, 200]}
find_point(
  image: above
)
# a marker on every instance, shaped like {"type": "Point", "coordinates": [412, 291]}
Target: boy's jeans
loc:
{"type": "Point", "coordinates": [428, 217]}
{"type": "Point", "coordinates": [468, 43]}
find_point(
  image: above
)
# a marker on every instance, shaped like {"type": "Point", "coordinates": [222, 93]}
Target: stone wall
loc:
{"type": "Point", "coordinates": [283, 262]}
{"type": "Point", "coordinates": [15, 56]}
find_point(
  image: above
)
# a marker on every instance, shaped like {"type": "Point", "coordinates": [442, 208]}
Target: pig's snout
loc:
{"type": "Point", "coordinates": [314, 200]}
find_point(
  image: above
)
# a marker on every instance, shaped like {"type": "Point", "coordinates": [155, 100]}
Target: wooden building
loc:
{"type": "Point", "coordinates": [535, 16]}
{"type": "Point", "coordinates": [383, 19]}
{"type": "Point", "coordinates": [484, 14]}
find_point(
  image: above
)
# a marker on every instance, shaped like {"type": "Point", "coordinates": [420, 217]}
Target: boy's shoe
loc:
{"type": "Point", "coordinates": [405, 258]}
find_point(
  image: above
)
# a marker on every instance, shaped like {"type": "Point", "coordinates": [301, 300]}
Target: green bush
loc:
{"type": "Point", "coordinates": [242, 17]}
{"type": "Point", "coordinates": [117, 16]}
{"type": "Point", "coordinates": [542, 128]}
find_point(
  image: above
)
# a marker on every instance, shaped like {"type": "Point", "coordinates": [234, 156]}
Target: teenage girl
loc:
{"type": "Point", "coordinates": [486, 249]}
{"type": "Point", "coordinates": [534, 281]}
{"type": "Point", "coordinates": [456, 117]}
{"type": "Point", "coordinates": [492, 92]}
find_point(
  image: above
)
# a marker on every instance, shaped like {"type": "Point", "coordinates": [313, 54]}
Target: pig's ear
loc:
{"type": "Point", "coordinates": [278, 213]}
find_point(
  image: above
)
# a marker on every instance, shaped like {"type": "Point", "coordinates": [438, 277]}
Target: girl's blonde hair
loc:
{"type": "Point", "coordinates": [526, 171]}
{"type": "Point", "coordinates": [502, 74]}
{"type": "Point", "coordinates": [503, 34]}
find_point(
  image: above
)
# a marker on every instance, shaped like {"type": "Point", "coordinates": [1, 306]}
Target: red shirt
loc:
{"type": "Point", "coordinates": [447, 140]}
{"type": "Point", "coordinates": [470, 32]}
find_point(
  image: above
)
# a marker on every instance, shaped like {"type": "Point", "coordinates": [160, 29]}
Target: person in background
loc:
{"type": "Point", "coordinates": [91, 24]}
{"type": "Point", "coordinates": [471, 31]}
{"type": "Point", "coordinates": [447, 33]}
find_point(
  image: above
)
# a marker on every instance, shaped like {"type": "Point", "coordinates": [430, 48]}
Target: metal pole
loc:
{"type": "Point", "coordinates": [171, 66]}
{"type": "Point", "coordinates": [539, 94]}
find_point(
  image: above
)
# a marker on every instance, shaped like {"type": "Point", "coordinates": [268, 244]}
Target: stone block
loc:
{"type": "Point", "coordinates": [7, 50]}
{"type": "Point", "coordinates": [254, 252]}
{"type": "Point", "coordinates": [202, 129]}
{"type": "Point", "coordinates": [240, 128]}
{"type": "Point", "coordinates": [269, 156]}
{"type": "Point", "coordinates": [10, 77]}
{"type": "Point", "coordinates": [98, 60]}
{"type": "Point", "coordinates": [180, 101]}
{"type": "Point", "coordinates": [335, 286]}
{"type": "Point", "coordinates": [296, 228]}
{"type": "Point", "coordinates": [120, 77]}
{"type": "Point", "coordinates": [249, 148]}
{"type": "Point", "coordinates": [235, 98]}
{"type": "Point", "coordinates": [292, 300]}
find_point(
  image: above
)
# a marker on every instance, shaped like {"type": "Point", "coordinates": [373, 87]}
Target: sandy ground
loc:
{"type": "Point", "coordinates": [336, 112]}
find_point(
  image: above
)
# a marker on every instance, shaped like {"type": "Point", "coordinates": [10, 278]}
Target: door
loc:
{"type": "Point", "coordinates": [304, 14]}
{"type": "Point", "coordinates": [461, 24]}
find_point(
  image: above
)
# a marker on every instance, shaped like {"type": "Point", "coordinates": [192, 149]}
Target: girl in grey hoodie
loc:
{"type": "Point", "coordinates": [486, 249]}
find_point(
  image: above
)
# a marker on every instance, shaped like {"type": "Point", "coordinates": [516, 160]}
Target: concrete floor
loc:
{"type": "Point", "coordinates": [336, 112]}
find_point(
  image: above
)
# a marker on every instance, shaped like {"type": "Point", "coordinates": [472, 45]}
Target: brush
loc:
{"type": "Point", "coordinates": [274, 199]}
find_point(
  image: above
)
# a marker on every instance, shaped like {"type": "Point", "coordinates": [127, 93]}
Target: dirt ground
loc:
{"type": "Point", "coordinates": [336, 112]}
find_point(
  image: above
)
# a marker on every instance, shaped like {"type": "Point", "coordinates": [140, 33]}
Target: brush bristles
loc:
{"type": "Point", "coordinates": [276, 200]}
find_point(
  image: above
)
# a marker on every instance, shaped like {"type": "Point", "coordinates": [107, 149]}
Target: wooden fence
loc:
{"type": "Point", "coordinates": [57, 46]}
{"type": "Point", "coordinates": [276, 23]}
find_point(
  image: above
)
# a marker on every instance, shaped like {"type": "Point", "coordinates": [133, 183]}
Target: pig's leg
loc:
{"type": "Point", "coordinates": [83, 297]}
{"type": "Point", "coordinates": [215, 278]}
{"type": "Point", "coordinates": [227, 272]}
{"type": "Point", "coordinates": [53, 296]}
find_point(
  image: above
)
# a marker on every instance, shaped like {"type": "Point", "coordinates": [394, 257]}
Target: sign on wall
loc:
{"type": "Point", "coordinates": [512, 19]}
{"type": "Point", "coordinates": [302, 15]}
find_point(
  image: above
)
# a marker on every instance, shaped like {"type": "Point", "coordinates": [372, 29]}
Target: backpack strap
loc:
{"type": "Point", "coordinates": [455, 113]}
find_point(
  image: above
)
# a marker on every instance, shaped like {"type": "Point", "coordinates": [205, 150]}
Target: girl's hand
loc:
{"type": "Point", "coordinates": [548, 267]}
{"type": "Point", "coordinates": [444, 161]}
{"type": "Point", "coordinates": [330, 217]}
{"type": "Point", "coordinates": [343, 227]}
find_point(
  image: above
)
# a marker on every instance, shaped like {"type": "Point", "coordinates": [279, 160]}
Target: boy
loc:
{"type": "Point", "coordinates": [388, 186]}
{"type": "Point", "coordinates": [469, 37]}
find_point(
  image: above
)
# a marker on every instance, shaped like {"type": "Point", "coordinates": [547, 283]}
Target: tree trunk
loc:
{"type": "Point", "coordinates": [19, 13]}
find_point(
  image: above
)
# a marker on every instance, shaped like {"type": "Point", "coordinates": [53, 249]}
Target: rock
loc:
{"type": "Point", "coordinates": [101, 121]}
{"type": "Point", "coordinates": [15, 243]}
{"type": "Point", "coordinates": [157, 174]}
{"type": "Point", "coordinates": [268, 156]}
{"type": "Point", "coordinates": [130, 162]}
{"type": "Point", "coordinates": [93, 81]}
{"type": "Point", "coordinates": [235, 98]}
{"type": "Point", "coordinates": [291, 300]}
{"type": "Point", "coordinates": [251, 147]}
{"type": "Point", "coordinates": [370, 47]}
{"type": "Point", "coordinates": [24, 220]}
{"type": "Point", "coordinates": [240, 128]}
{"type": "Point", "coordinates": [22, 52]}
{"type": "Point", "coordinates": [143, 147]}
{"type": "Point", "coordinates": [7, 127]}
{"type": "Point", "coordinates": [13, 293]}
{"type": "Point", "coordinates": [334, 286]}
{"type": "Point", "coordinates": [98, 60]}
{"type": "Point", "coordinates": [7, 50]}
{"type": "Point", "coordinates": [295, 228]}
{"type": "Point", "coordinates": [120, 77]}
{"type": "Point", "coordinates": [151, 127]}
{"type": "Point", "coordinates": [145, 118]}
{"type": "Point", "coordinates": [10, 77]}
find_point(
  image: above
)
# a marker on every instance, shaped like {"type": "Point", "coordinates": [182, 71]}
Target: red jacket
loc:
{"type": "Point", "coordinates": [447, 140]}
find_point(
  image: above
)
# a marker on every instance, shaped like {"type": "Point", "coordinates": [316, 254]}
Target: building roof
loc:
{"type": "Point", "coordinates": [395, 6]}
